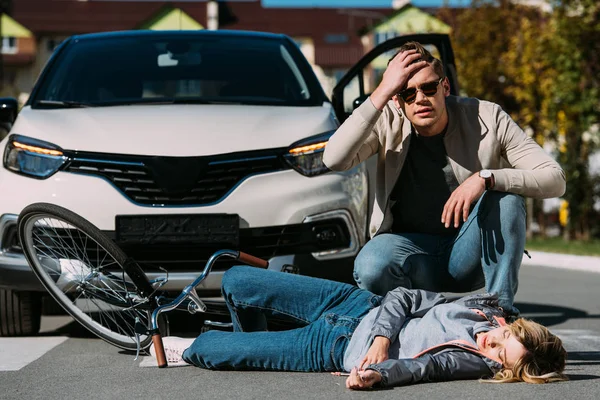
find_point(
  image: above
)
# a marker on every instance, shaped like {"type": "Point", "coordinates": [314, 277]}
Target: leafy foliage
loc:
{"type": "Point", "coordinates": [544, 69]}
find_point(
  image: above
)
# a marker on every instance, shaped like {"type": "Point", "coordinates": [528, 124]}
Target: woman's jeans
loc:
{"type": "Point", "coordinates": [487, 250]}
{"type": "Point", "coordinates": [326, 314]}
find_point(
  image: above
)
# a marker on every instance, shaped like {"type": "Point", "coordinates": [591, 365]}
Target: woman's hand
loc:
{"type": "Point", "coordinates": [363, 379]}
{"type": "Point", "coordinates": [378, 352]}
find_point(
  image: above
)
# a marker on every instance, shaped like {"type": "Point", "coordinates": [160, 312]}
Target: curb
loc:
{"type": "Point", "coordinates": [563, 261]}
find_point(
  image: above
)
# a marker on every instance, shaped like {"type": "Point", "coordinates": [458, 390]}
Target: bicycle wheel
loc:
{"type": "Point", "coordinates": [86, 273]}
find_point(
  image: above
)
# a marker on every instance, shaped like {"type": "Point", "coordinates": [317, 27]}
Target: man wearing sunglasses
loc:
{"type": "Point", "coordinates": [449, 212]}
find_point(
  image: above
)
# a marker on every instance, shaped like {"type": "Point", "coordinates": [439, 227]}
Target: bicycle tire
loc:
{"type": "Point", "coordinates": [110, 291]}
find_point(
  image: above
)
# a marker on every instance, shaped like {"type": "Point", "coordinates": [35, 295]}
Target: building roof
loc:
{"type": "Point", "coordinates": [68, 17]}
{"type": "Point", "coordinates": [10, 27]}
{"type": "Point", "coordinates": [171, 18]}
{"type": "Point", "coordinates": [409, 19]}
{"type": "Point", "coordinates": [319, 24]}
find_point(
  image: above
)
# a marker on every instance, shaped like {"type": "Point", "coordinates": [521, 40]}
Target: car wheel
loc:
{"type": "Point", "coordinates": [20, 313]}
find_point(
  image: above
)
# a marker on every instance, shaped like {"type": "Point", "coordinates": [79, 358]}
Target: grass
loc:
{"type": "Point", "coordinates": [558, 245]}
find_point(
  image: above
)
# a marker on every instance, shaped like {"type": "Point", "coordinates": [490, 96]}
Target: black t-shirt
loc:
{"type": "Point", "coordinates": [425, 184]}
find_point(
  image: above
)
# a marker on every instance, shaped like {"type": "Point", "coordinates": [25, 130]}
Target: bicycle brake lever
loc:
{"type": "Point", "coordinates": [159, 282]}
{"type": "Point", "coordinates": [194, 307]}
{"type": "Point", "coordinates": [195, 304]}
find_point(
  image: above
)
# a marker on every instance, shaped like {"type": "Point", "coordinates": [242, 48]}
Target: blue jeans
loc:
{"type": "Point", "coordinates": [326, 313]}
{"type": "Point", "coordinates": [487, 250]}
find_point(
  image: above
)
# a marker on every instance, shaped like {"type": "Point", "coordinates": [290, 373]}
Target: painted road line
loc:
{"type": "Point", "coordinates": [16, 353]}
{"type": "Point", "coordinates": [578, 339]}
{"type": "Point", "coordinates": [563, 261]}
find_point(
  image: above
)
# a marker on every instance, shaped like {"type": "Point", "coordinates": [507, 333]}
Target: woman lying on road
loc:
{"type": "Point", "coordinates": [405, 337]}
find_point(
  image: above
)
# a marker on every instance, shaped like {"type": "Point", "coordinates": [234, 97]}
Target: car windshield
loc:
{"type": "Point", "coordinates": [177, 68]}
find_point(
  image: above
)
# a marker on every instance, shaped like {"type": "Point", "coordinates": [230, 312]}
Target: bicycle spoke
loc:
{"type": "Point", "coordinates": [86, 279]}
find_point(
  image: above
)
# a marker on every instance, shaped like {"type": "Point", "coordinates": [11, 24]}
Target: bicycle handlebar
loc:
{"type": "Point", "coordinates": [189, 292]}
{"type": "Point", "coordinates": [251, 260]}
{"type": "Point", "coordinates": [159, 349]}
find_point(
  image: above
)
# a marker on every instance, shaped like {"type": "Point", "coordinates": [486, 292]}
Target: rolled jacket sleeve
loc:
{"type": "Point", "coordinates": [534, 173]}
{"type": "Point", "coordinates": [442, 366]}
{"type": "Point", "coordinates": [355, 140]}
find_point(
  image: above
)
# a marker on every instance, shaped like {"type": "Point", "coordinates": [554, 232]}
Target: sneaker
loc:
{"type": "Point", "coordinates": [174, 347]}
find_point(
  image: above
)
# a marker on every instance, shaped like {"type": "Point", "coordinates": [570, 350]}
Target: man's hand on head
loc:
{"type": "Point", "coordinates": [458, 205]}
{"type": "Point", "coordinates": [396, 75]}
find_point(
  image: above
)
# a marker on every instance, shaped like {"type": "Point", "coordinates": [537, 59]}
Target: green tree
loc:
{"type": "Point", "coordinates": [574, 53]}
{"type": "Point", "coordinates": [496, 45]}
{"type": "Point", "coordinates": [544, 69]}
{"type": "Point", "coordinates": [481, 34]}
{"type": "Point", "coordinates": [531, 76]}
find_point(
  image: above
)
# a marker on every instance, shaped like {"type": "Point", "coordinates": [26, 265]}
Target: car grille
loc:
{"type": "Point", "coordinates": [176, 181]}
{"type": "Point", "coordinates": [263, 242]}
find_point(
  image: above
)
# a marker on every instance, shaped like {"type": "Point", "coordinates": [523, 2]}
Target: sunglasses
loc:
{"type": "Point", "coordinates": [429, 89]}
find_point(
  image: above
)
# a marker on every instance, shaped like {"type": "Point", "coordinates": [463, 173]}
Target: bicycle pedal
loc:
{"type": "Point", "coordinates": [290, 269]}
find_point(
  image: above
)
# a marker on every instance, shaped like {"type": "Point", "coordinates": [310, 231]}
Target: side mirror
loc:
{"type": "Point", "coordinates": [359, 100]}
{"type": "Point", "coordinates": [9, 107]}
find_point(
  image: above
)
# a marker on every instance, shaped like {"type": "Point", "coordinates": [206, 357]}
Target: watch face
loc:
{"type": "Point", "coordinates": [485, 173]}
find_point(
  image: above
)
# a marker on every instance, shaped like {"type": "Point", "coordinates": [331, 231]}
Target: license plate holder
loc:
{"type": "Point", "coordinates": [205, 230]}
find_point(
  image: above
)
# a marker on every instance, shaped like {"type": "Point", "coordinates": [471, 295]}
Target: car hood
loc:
{"type": "Point", "coordinates": [174, 130]}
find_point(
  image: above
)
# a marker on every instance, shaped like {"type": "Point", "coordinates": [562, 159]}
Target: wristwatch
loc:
{"type": "Point", "coordinates": [489, 178]}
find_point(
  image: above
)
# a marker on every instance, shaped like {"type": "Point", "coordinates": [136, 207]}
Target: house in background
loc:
{"type": "Point", "coordinates": [18, 54]}
{"type": "Point", "coordinates": [331, 39]}
{"type": "Point", "coordinates": [170, 18]}
{"type": "Point", "coordinates": [405, 20]}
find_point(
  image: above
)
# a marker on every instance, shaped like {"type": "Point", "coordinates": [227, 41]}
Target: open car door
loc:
{"type": "Point", "coordinates": [362, 79]}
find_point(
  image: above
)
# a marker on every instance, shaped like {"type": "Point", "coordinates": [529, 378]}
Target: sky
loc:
{"type": "Point", "coordinates": [358, 3]}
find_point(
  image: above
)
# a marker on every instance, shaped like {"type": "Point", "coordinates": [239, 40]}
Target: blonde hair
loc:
{"type": "Point", "coordinates": [545, 358]}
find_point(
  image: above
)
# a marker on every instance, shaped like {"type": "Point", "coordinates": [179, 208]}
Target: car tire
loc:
{"type": "Point", "coordinates": [20, 313]}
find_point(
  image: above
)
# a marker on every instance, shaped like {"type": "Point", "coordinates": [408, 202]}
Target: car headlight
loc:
{"type": "Point", "coordinates": [306, 156]}
{"type": "Point", "coordinates": [32, 157]}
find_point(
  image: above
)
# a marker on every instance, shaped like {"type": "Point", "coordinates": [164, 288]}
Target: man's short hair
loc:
{"type": "Point", "coordinates": [437, 65]}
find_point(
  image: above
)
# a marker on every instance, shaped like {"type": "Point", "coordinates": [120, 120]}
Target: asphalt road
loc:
{"type": "Point", "coordinates": [72, 365]}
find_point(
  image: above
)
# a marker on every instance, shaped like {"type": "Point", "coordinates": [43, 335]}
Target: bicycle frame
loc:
{"type": "Point", "coordinates": [195, 304]}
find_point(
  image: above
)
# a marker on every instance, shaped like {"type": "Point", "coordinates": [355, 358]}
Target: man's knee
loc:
{"type": "Point", "coordinates": [367, 272]}
{"type": "Point", "coordinates": [507, 209]}
{"type": "Point", "coordinates": [374, 272]}
{"type": "Point", "coordinates": [506, 202]}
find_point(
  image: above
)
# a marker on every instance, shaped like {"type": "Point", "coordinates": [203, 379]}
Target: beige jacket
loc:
{"type": "Point", "coordinates": [480, 136]}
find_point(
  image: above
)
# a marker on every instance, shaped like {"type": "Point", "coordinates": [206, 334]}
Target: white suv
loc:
{"type": "Point", "coordinates": [183, 127]}
{"type": "Point", "coordinates": [160, 138]}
